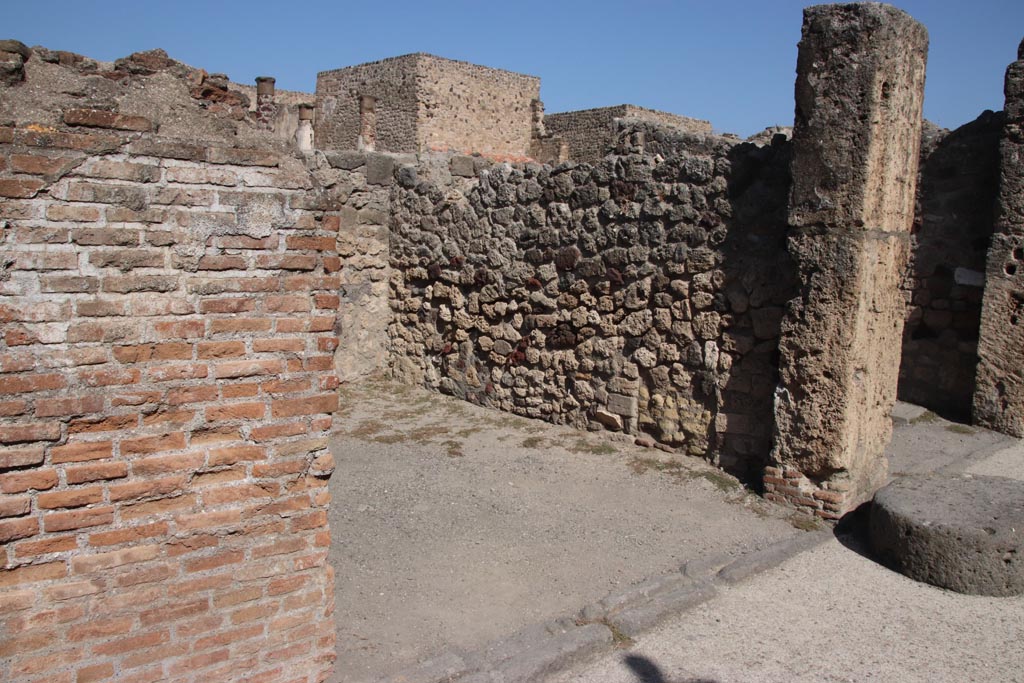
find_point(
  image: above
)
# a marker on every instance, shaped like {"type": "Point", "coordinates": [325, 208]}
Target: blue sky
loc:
{"type": "Point", "coordinates": [729, 61]}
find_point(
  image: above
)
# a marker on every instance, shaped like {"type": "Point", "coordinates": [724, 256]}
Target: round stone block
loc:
{"type": "Point", "coordinates": [962, 532]}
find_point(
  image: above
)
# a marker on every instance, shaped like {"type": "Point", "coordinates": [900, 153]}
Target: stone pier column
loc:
{"type": "Point", "coordinates": [266, 108]}
{"type": "Point", "coordinates": [859, 91]}
{"type": "Point", "coordinates": [999, 382]}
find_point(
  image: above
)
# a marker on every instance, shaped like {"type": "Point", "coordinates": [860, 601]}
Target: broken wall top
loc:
{"type": "Point", "coordinates": [144, 92]}
{"type": "Point", "coordinates": [856, 58]}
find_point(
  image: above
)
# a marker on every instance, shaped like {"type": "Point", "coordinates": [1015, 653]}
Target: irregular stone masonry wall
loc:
{"type": "Point", "coordinates": [641, 294]}
{"type": "Point", "coordinates": [170, 322]}
{"type": "Point", "coordinates": [591, 132]}
{"type": "Point", "coordinates": [944, 280]}
{"type": "Point", "coordinates": [427, 103]}
{"type": "Point", "coordinates": [393, 82]}
{"type": "Point", "coordinates": [469, 108]}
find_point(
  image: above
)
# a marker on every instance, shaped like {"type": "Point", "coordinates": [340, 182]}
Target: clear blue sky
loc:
{"type": "Point", "coordinates": [729, 61]}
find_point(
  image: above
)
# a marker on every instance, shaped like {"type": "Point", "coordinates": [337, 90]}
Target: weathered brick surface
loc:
{"type": "Point", "coordinates": [145, 310]}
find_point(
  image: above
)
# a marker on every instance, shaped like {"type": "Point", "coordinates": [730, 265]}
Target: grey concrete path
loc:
{"type": "Point", "coordinates": [834, 614]}
{"type": "Point", "coordinates": [829, 614]}
{"type": "Point", "coordinates": [454, 526]}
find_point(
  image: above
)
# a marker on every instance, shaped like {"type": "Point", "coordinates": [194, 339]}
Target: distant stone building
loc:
{"type": "Point", "coordinates": [419, 102]}
{"type": "Point", "coordinates": [589, 132]}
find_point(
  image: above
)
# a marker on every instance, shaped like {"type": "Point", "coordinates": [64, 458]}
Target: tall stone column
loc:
{"type": "Point", "coordinates": [859, 91]}
{"type": "Point", "coordinates": [999, 382]}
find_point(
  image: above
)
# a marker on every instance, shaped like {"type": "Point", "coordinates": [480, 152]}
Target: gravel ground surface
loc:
{"type": "Point", "coordinates": [454, 526]}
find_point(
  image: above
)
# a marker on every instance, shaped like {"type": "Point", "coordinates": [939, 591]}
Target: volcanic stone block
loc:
{"type": "Point", "coordinates": [859, 91]}
{"type": "Point", "coordinates": [961, 533]}
{"type": "Point", "coordinates": [999, 382]}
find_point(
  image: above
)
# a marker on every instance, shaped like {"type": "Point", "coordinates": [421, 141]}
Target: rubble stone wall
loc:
{"type": "Point", "coordinates": [474, 109]}
{"type": "Point", "coordinates": [999, 393]}
{"type": "Point", "coordinates": [641, 294]}
{"type": "Point", "coordinates": [591, 132]}
{"type": "Point", "coordinates": [945, 277]}
{"type": "Point", "coordinates": [393, 82]}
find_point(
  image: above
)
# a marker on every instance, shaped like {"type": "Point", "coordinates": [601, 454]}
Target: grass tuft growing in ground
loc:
{"type": "Point", "coordinates": [803, 521]}
{"type": "Point", "coordinates": [960, 429]}
{"type": "Point", "coordinates": [925, 418]}
{"type": "Point", "coordinates": [720, 480]}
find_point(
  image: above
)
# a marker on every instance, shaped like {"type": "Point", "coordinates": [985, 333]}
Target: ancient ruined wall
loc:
{"type": "Point", "coordinates": [361, 189]}
{"type": "Point", "coordinates": [393, 83]}
{"type": "Point", "coordinates": [999, 393]}
{"type": "Point", "coordinates": [944, 279]}
{"type": "Point", "coordinates": [422, 102]}
{"type": "Point", "coordinates": [640, 295]}
{"type": "Point", "coordinates": [590, 132]}
{"type": "Point", "coordinates": [169, 326]}
{"type": "Point", "coordinates": [468, 108]}
{"type": "Point", "coordinates": [859, 92]}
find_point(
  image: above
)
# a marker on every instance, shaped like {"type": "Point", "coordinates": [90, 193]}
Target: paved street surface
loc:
{"type": "Point", "coordinates": [454, 527]}
{"type": "Point", "coordinates": [833, 614]}
{"type": "Point", "coordinates": [829, 614]}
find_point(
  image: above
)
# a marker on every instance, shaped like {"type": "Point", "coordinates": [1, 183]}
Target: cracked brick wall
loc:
{"type": "Point", "coordinates": [170, 311]}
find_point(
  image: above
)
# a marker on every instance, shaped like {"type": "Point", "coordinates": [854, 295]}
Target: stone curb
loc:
{"type": "Point", "coordinates": [754, 563]}
{"type": "Point", "coordinates": [547, 648]}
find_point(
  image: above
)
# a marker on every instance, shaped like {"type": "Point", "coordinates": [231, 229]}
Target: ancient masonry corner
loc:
{"type": "Point", "coordinates": [191, 268]}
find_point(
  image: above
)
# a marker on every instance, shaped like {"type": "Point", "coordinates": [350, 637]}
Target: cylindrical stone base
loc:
{"type": "Point", "coordinates": [963, 533]}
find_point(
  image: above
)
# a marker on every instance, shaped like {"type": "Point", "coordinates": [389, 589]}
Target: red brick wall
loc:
{"type": "Point", "coordinates": [166, 390]}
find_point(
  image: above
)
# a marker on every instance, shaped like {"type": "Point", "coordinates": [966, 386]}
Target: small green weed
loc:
{"type": "Point", "coordinates": [803, 521]}
{"type": "Point", "coordinates": [720, 480]}
{"type": "Point", "coordinates": [960, 429]}
{"type": "Point", "coordinates": [620, 640]}
{"type": "Point", "coordinates": [584, 446]}
{"type": "Point", "coordinates": [926, 417]}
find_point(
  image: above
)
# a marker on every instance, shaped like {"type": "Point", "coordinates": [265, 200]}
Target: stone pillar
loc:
{"type": "Point", "coordinates": [265, 107]}
{"type": "Point", "coordinates": [999, 382]}
{"type": "Point", "coordinates": [304, 133]}
{"type": "Point", "coordinates": [859, 91]}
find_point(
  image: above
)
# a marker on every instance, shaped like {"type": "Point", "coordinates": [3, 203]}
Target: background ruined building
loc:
{"type": "Point", "coordinates": [190, 267]}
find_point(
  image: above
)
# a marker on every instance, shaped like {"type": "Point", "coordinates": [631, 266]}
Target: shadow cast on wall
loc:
{"type": "Point", "coordinates": [944, 283]}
